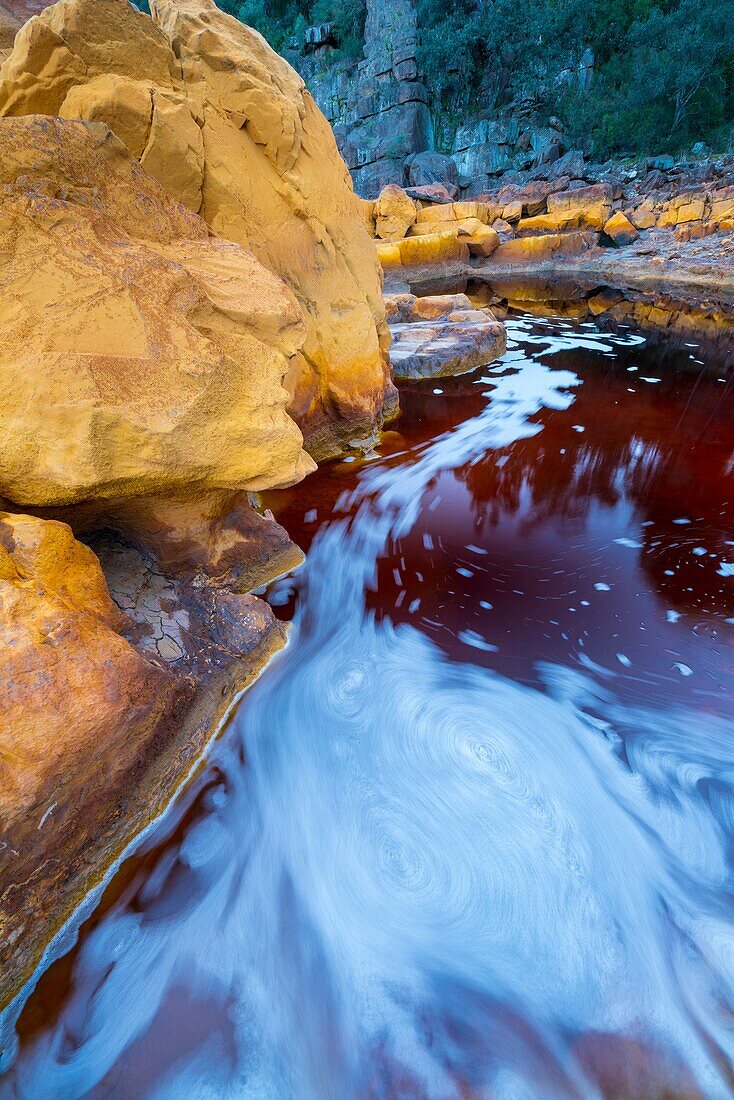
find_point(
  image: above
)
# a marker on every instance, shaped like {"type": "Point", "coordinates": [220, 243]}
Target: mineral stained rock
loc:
{"type": "Point", "coordinates": [103, 713]}
{"type": "Point", "coordinates": [228, 128]}
{"type": "Point", "coordinates": [139, 355]}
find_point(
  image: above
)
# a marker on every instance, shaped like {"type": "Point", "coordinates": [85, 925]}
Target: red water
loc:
{"type": "Point", "coordinates": [471, 835]}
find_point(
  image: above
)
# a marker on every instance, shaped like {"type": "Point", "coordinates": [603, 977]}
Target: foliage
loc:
{"type": "Point", "coordinates": [663, 69]}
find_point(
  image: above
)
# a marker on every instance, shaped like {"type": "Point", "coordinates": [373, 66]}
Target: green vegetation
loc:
{"type": "Point", "coordinates": [281, 21]}
{"type": "Point", "coordinates": [663, 69]}
{"type": "Point", "coordinates": [663, 73]}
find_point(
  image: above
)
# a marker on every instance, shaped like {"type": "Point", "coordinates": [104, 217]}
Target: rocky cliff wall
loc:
{"type": "Point", "coordinates": [378, 107]}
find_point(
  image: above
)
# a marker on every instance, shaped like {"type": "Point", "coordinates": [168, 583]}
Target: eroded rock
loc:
{"type": "Point", "coordinates": [107, 704]}
{"type": "Point", "coordinates": [228, 128]}
{"type": "Point", "coordinates": [139, 355]}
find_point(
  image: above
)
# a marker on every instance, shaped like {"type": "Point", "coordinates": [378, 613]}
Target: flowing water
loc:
{"type": "Point", "coordinates": [470, 834]}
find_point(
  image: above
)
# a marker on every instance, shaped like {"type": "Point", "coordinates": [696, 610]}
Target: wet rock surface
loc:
{"type": "Point", "coordinates": [441, 335]}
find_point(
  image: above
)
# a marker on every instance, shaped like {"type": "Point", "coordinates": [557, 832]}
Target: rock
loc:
{"type": "Point", "coordinates": [464, 340]}
{"type": "Point", "coordinates": [432, 193]}
{"type": "Point", "coordinates": [512, 212]}
{"type": "Point", "coordinates": [570, 164]}
{"type": "Point", "coordinates": [584, 206]}
{"type": "Point", "coordinates": [546, 247]}
{"type": "Point", "coordinates": [381, 107]}
{"type": "Point", "coordinates": [620, 229]}
{"type": "Point", "coordinates": [643, 216]}
{"type": "Point", "coordinates": [395, 213]}
{"type": "Point", "coordinates": [661, 164]}
{"type": "Point", "coordinates": [429, 168]}
{"type": "Point", "coordinates": [104, 714]}
{"type": "Point", "coordinates": [139, 355]}
{"type": "Point", "coordinates": [604, 300]}
{"type": "Point", "coordinates": [230, 129]}
{"type": "Point", "coordinates": [433, 307]}
{"type": "Point", "coordinates": [503, 229]}
{"type": "Point", "coordinates": [442, 251]}
{"type": "Point", "coordinates": [13, 14]}
{"type": "Point", "coordinates": [481, 239]}
{"type": "Point", "coordinates": [701, 149]}
{"type": "Point", "coordinates": [687, 206]}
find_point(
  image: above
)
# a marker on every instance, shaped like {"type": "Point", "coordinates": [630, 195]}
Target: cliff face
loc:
{"type": "Point", "coordinates": [228, 128]}
{"type": "Point", "coordinates": [378, 108]}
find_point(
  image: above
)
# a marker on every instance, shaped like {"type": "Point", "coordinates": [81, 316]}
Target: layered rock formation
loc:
{"type": "Point", "coordinates": [227, 127]}
{"type": "Point", "coordinates": [104, 713]}
{"type": "Point", "coordinates": [139, 355]}
{"type": "Point", "coordinates": [442, 335]}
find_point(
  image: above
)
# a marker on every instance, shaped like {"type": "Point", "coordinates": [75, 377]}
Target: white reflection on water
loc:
{"type": "Point", "coordinates": [427, 880]}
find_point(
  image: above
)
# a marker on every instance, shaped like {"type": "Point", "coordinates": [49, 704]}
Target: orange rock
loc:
{"type": "Point", "coordinates": [395, 213]}
{"type": "Point", "coordinates": [620, 229]}
{"type": "Point", "coordinates": [96, 732]}
{"type": "Point", "coordinates": [228, 128]}
{"type": "Point", "coordinates": [587, 207]}
{"type": "Point", "coordinates": [538, 249]}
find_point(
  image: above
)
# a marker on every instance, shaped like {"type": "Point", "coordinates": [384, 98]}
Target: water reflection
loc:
{"type": "Point", "coordinates": [470, 835]}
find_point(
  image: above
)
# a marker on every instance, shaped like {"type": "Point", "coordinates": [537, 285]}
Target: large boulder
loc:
{"type": "Point", "coordinates": [228, 128]}
{"type": "Point", "coordinates": [139, 354]}
{"type": "Point", "coordinates": [453, 341]}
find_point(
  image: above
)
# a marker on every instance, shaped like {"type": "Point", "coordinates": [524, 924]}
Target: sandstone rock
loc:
{"type": "Point", "coordinates": [512, 212]}
{"type": "Point", "coordinates": [643, 217]}
{"type": "Point", "coordinates": [139, 355]}
{"type": "Point", "coordinates": [503, 229]}
{"type": "Point", "coordinates": [13, 14]}
{"type": "Point", "coordinates": [432, 307]}
{"type": "Point", "coordinates": [604, 300]}
{"type": "Point", "coordinates": [722, 204]}
{"type": "Point", "coordinates": [440, 250]}
{"type": "Point", "coordinates": [103, 715]}
{"type": "Point", "coordinates": [481, 239]}
{"type": "Point", "coordinates": [589, 207]}
{"type": "Point", "coordinates": [464, 340]}
{"type": "Point", "coordinates": [228, 127]}
{"type": "Point", "coordinates": [538, 249]}
{"type": "Point", "coordinates": [395, 213]}
{"type": "Point", "coordinates": [620, 229]}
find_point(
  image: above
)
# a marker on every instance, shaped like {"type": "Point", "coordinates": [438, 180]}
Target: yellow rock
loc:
{"type": "Point", "coordinates": [454, 211]}
{"type": "Point", "coordinates": [231, 131]}
{"type": "Point", "coordinates": [436, 212]}
{"type": "Point", "coordinates": [437, 248]}
{"type": "Point", "coordinates": [481, 239]}
{"type": "Point", "coordinates": [139, 355]}
{"type": "Point", "coordinates": [620, 229]}
{"type": "Point", "coordinates": [587, 207]}
{"type": "Point", "coordinates": [388, 253]}
{"type": "Point", "coordinates": [537, 249]}
{"type": "Point", "coordinates": [394, 213]}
